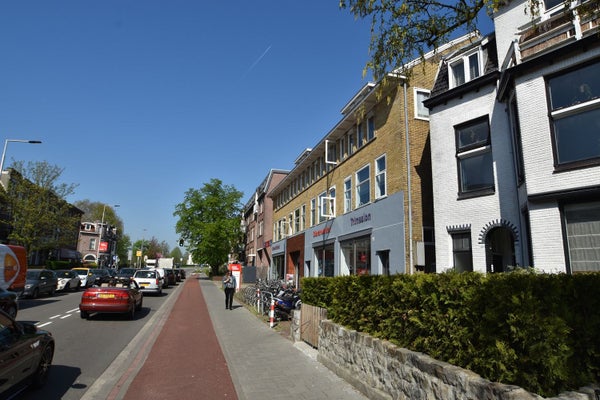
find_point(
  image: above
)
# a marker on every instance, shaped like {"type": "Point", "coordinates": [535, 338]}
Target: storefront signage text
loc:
{"type": "Point", "coordinates": [321, 232]}
{"type": "Point", "coordinates": [359, 220]}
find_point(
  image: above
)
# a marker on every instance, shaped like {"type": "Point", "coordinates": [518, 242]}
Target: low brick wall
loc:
{"type": "Point", "coordinates": [384, 371]}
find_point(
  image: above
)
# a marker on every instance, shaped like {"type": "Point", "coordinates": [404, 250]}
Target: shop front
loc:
{"type": "Point", "coordinates": [277, 270]}
{"type": "Point", "coordinates": [367, 241]}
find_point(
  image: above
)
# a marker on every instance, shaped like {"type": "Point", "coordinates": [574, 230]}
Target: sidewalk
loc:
{"type": "Point", "coordinates": [200, 350]}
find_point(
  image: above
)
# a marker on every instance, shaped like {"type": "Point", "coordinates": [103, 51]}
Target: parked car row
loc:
{"type": "Point", "coordinates": [106, 291]}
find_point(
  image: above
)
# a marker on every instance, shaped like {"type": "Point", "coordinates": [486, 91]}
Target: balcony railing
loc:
{"type": "Point", "coordinates": [545, 35]}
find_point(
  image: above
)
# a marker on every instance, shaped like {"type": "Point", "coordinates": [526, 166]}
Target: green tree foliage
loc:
{"type": "Point", "coordinates": [177, 255]}
{"type": "Point", "coordinates": [93, 211]}
{"type": "Point", "coordinates": [38, 213]}
{"type": "Point", "coordinates": [123, 247]}
{"type": "Point", "coordinates": [404, 30]}
{"type": "Point", "coordinates": [209, 222]}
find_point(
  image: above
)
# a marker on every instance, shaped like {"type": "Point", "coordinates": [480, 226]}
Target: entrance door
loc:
{"type": "Point", "coordinates": [500, 250]}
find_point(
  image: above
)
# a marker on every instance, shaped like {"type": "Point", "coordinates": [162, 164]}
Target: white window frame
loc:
{"type": "Point", "coordinates": [465, 59]}
{"type": "Point", "coordinates": [348, 194]}
{"type": "Point", "coordinates": [370, 128]}
{"type": "Point", "coordinates": [359, 184]}
{"type": "Point", "coordinates": [360, 134]}
{"type": "Point", "coordinates": [380, 175]}
{"type": "Point", "coordinates": [313, 215]}
{"type": "Point", "coordinates": [418, 114]}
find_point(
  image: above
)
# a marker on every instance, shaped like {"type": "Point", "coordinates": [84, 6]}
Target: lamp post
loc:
{"type": "Point", "coordinates": [100, 233]}
{"type": "Point", "coordinates": [18, 141]}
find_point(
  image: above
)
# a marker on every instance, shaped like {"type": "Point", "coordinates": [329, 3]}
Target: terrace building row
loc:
{"type": "Point", "coordinates": [484, 155]}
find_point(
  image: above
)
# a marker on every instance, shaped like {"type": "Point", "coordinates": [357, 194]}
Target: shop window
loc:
{"type": "Point", "coordinates": [575, 115]}
{"type": "Point", "coordinates": [474, 157]}
{"type": "Point", "coordinates": [325, 260]}
{"type": "Point", "coordinates": [462, 252]}
{"type": "Point", "coordinates": [356, 256]}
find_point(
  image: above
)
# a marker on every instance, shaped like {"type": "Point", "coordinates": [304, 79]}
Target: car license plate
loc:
{"type": "Point", "coordinates": [143, 284]}
{"type": "Point", "coordinates": [106, 296]}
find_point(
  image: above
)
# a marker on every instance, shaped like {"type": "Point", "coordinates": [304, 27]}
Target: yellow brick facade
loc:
{"type": "Point", "coordinates": [385, 105]}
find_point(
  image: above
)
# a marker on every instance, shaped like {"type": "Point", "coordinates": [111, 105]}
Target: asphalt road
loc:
{"type": "Point", "coordinates": [84, 348]}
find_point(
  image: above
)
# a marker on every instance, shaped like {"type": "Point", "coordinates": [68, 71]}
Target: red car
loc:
{"type": "Point", "coordinates": [122, 297]}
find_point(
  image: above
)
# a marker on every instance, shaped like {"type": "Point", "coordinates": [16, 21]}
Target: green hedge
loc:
{"type": "Point", "coordinates": [537, 331]}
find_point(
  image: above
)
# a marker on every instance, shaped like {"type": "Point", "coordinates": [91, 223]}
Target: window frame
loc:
{"type": "Point", "coordinates": [469, 152]}
{"type": "Point", "coordinates": [455, 251]}
{"type": "Point", "coordinates": [416, 92]}
{"type": "Point", "coordinates": [378, 174]}
{"type": "Point", "coordinates": [370, 128]}
{"type": "Point", "coordinates": [464, 59]}
{"type": "Point", "coordinates": [348, 194]}
{"type": "Point", "coordinates": [359, 184]}
{"type": "Point", "coordinates": [576, 108]}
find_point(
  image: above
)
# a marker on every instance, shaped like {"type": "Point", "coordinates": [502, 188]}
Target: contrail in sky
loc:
{"type": "Point", "coordinates": [258, 60]}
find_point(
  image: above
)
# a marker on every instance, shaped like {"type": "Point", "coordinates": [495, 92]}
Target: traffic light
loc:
{"type": "Point", "coordinates": [180, 242]}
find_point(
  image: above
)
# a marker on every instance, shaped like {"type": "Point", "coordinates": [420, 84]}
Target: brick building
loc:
{"type": "Point", "coordinates": [360, 201]}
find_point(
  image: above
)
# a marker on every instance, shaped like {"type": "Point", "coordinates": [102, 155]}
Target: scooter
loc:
{"type": "Point", "coordinates": [285, 302]}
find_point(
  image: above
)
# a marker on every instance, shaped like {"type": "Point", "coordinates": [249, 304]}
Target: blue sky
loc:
{"type": "Point", "coordinates": [140, 101]}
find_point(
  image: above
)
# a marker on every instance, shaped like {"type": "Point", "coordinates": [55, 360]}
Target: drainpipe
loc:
{"type": "Point", "coordinates": [408, 181]}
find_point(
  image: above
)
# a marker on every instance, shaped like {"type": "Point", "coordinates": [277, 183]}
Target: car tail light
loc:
{"type": "Point", "coordinates": [122, 295]}
{"type": "Point", "coordinates": [157, 281]}
{"type": "Point", "coordinates": [88, 295]}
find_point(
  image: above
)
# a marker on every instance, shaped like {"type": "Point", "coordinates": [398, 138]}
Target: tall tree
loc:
{"type": "Point", "coordinates": [209, 222]}
{"type": "Point", "coordinates": [94, 211]}
{"type": "Point", "coordinates": [402, 30]}
{"type": "Point", "coordinates": [177, 255]}
{"type": "Point", "coordinates": [38, 213]}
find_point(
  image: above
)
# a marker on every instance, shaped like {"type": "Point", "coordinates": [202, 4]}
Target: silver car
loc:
{"type": "Point", "coordinates": [148, 280]}
{"type": "Point", "coordinates": [67, 279]}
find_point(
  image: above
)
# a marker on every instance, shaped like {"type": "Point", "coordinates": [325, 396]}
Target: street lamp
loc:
{"type": "Point", "coordinates": [100, 233]}
{"type": "Point", "coordinates": [18, 141]}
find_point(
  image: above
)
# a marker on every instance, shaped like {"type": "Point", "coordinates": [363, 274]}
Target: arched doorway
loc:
{"type": "Point", "coordinates": [500, 249]}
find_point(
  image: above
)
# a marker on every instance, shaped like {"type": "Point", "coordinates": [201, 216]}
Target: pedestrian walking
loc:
{"type": "Point", "coordinates": [229, 286]}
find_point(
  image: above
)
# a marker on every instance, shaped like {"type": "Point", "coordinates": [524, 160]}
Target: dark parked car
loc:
{"type": "Point", "coordinates": [126, 273]}
{"type": "Point", "coordinates": [101, 276]}
{"type": "Point", "coordinates": [8, 302]}
{"type": "Point", "coordinates": [40, 281]}
{"type": "Point", "coordinates": [170, 276]}
{"type": "Point", "coordinates": [25, 355]}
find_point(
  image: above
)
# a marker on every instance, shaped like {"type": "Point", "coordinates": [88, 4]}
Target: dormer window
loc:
{"type": "Point", "coordinates": [465, 69]}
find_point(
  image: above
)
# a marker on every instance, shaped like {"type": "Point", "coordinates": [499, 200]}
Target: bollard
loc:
{"type": "Point", "coordinates": [272, 313]}
{"type": "Point", "coordinates": [257, 299]}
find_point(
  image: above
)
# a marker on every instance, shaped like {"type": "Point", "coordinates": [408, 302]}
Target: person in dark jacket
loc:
{"type": "Point", "coordinates": [229, 286]}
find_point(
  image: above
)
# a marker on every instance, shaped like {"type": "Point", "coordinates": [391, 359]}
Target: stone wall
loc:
{"type": "Point", "coordinates": [384, 371]}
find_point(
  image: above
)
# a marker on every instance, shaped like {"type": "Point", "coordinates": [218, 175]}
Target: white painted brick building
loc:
{"type": "Point", "coordinates": [515, 140]}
